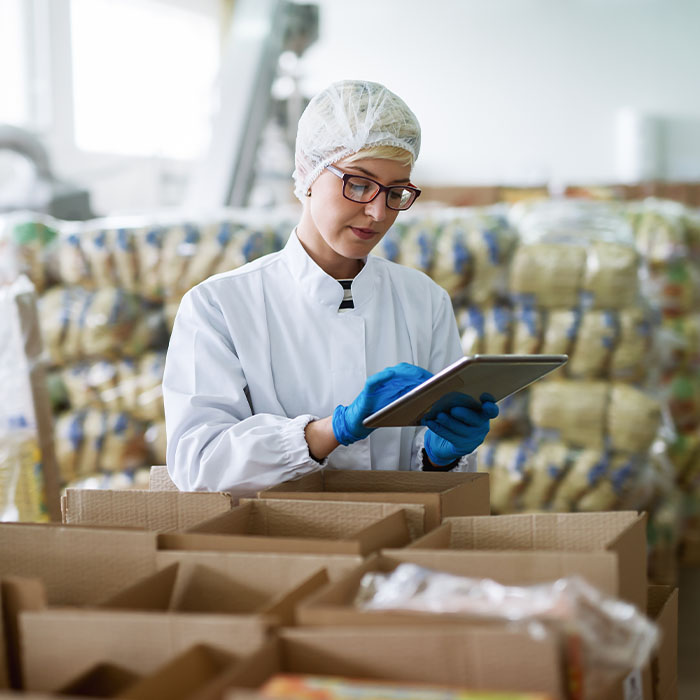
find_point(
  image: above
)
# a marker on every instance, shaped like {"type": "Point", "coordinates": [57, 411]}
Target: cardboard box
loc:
{"type": "Point", "coordinates": [257, 589]}
{"type": "Point", "coordinates": [314, 527]}
{"type": "Point", "coordinates": [78, 565]}
{"type": "Point", "coordinates": [265, 571]}
{"type": "Point", "coordinates": [442, 495]}
{"type": "Point", "coordinates": [333, 607]}
{"type": "Point", "coordinates": [202, 672]}
{"type": "Point", "coordinates": [607, 548]}
{"type": "Point", "coordinates": [160, 511]}
{"type": "Point", "coordinates": [476, 658]}
{"type": "Point", "coordinates": [663, 609]}
{"type": "Point", "coordinates": [231, 600]}
{"type": "Point", "coordinates": [159, 479]}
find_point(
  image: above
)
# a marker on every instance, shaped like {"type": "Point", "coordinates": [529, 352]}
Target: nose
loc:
{"type": "Point", "coordinates": [377, 207]}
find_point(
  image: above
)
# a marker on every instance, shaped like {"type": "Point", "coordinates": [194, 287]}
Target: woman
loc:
{"type": "Point", "coordinates": [273, 366]}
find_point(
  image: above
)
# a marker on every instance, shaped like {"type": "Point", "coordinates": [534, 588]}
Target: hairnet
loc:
{"type": "Point", "coordinates": [345, 118]}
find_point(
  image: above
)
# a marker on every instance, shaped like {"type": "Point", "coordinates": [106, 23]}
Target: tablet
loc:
{"type": "Point", "coordinates": [473, 375]}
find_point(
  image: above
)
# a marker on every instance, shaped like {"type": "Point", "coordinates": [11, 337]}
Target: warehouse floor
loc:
{"type": "Point", "coordinates": [689, 634]}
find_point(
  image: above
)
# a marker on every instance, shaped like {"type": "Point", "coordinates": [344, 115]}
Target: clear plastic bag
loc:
{"type": "Point", "coordinates": [614, 635]}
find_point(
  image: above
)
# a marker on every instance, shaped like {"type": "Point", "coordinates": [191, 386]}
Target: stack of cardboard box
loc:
{"type": "Point", "coordinates": [195, 596]}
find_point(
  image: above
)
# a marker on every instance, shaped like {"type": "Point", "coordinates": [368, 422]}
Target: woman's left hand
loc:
{"type": "Point", "coordinates": [458, 431]}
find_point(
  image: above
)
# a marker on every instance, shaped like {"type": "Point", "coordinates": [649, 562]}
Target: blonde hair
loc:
{"type": "Point", "coordinates": [399, 155]}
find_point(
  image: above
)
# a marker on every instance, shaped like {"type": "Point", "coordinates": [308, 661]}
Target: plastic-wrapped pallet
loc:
{"type": "Point", "coordinates": [28, 479]}
{"type": "Point", "coordinates": [574, 289]}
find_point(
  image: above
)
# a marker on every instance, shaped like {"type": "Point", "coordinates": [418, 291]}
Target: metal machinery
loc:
{"type": "Point", "coordinates": [27, 182]}
{"type": "Point", "coordinates": [261, 31]}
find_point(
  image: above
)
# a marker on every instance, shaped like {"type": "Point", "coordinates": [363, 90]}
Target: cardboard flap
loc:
{"type": "Point", "coordinates": [284, 605]}
{"type": "Point", "coordinates": [159, 511]}
{"type": "Point", "coordinates": [185, 675]}
{"type": "Point", "coordinates": [439, 538]}
{"type": "Point", "coordinates": [392, 531]}
{"type": "Point", "coordinates": [155, 592]}
{"type": "Point", "coordinates": [662, 607]}
{"type": "Point", "coordinates": [479, 658]}
{"type": "Point", "coordinates": [104, 680]}
{"type": "Point", "coordinates": [159, 479]}
{"type": "Point", "coordinates": [234, 522]}
{"type": "Point", "coordinates": [270, 574]}
{"type": "Point", "coordinates": [16, 595]}
{"type": "Point", "coordinates": [60, 644]}
{"type": "Point", "coordinates": [78, 565]}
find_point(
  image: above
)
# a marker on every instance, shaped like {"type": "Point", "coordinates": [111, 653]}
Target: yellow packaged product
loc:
{"type": "Point", "coordinates": [629, 361]}
{"type": "Point", "coordinates": [98, 250]}
{"type": "Point", "coordinates": [548, 274]}
{"type": "Point", "coordinates": [148, 246]}
{"type": "Point", "coordinates": [587, 468]}
{"type": "Point", "coordinates": [633, 420]}
{"type": "Point", "coordinates": [549, 463]}
{"type": "Point", "coordinates": [611, 275]}
{"type": "Point", "coordinates": [213, 241]}
{"type": "Point", "coordinates": [595, 340]}
{"type": "Point", "coordinates": [497, 330]}
{"type": "Point", "coordinates": [560, 331]}
{"type": "Point", "coordinates": [509, 463]}
{"type": "Point", "coordinates": [417, 246]}
{"type": "Point", "coordinates": [473, 322]}
{"type": "Point", "coordinates": [528, 331]}
{"type": "Point", "coordinates": [123, 244]}
{"type": "Point", "coordinates": [123, 446]}
{"type": "Point", "coordinates": [156, 441]}
{"type": "Point", "coordinates": [452, 263]}
{"type": "Point", "coordinates": [576, 410]}
{"type": "Point", "coordinates": [21, 476]}
{"type": "Point", "coordinates": [150, 392]}
{"type": "Point", "coordinates": [601, 497]}
{"type": "Point", "coordinates": [178, 248]}
{"type": "Point", "coordinates": [72, 264]}
{"type": "Point", "coordinates": [484, 247]}
{"type": "Point", "coordinates": [94, 431]}
{"type": "Point", "coordinates": [68, 443]}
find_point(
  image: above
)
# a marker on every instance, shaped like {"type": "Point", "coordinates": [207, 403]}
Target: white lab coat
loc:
{"type": "Point", "coordinates": [258, 352]}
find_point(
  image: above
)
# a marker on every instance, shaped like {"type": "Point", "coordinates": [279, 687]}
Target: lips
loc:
{"type": "Point", "coordinates": [363, 233]}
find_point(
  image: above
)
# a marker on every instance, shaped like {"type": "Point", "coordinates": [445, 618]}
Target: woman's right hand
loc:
{"type": "Point", "coordinates": [380, 390]}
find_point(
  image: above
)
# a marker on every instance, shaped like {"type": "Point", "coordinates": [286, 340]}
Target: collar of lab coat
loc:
{"type": "Point", "coordinates": [321, 286]}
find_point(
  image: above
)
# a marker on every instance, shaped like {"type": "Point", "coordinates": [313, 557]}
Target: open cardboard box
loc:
{"type": "Point", "coordinates": [77, 565]}
{"type": "Point", "coordinates": [314, 527]}
{"type": "Point", "coordinates": [607, 548]}
{"type": "Point", "coordinates": [160, 511]}
{"type": "Point", "coordinates": [441, 494]}
{"type": "Point", "coordinates": [476, 658]}
{"type": "Point", "coordinates": [492, 658]}
{"type": "Point", "coordinates": [144, 626]}
{"type": "Point", "coordinates": [332, 607]}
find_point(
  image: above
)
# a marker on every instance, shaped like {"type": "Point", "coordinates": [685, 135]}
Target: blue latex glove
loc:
{"type": "Point", "coordinates": [458, 431]}
{"type": "Point", "coordinates": [379, 390]}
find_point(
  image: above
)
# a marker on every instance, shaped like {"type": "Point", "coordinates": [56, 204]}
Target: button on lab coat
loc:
{"type": "Point", "coordinates": [258, 352]}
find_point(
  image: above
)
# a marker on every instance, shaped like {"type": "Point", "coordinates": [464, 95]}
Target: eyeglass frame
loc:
{"type": "Point", "coordinates": [382, 188]}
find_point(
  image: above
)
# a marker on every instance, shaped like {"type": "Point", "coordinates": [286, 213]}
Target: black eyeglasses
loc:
{"type": "Point", "coordinates": [363, 190]}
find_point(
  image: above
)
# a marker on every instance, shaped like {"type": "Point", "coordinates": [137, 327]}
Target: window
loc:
{"type": "Point", "coordinates": [143, 76]}
{"type": "Point", "coordinates": [14, 108]}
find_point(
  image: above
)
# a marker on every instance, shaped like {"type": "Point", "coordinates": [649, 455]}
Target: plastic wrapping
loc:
{"type": "Point", "coordinates": [22, 482]}
{"type": "Point", "coordinates": [614, 636]}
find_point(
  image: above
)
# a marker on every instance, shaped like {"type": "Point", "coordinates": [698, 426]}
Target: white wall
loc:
{"type": "Point", "coordinates": [524, 91]}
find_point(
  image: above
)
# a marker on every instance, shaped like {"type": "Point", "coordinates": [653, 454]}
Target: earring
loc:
{"type": "Point", "coordinates": [308, 192]}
